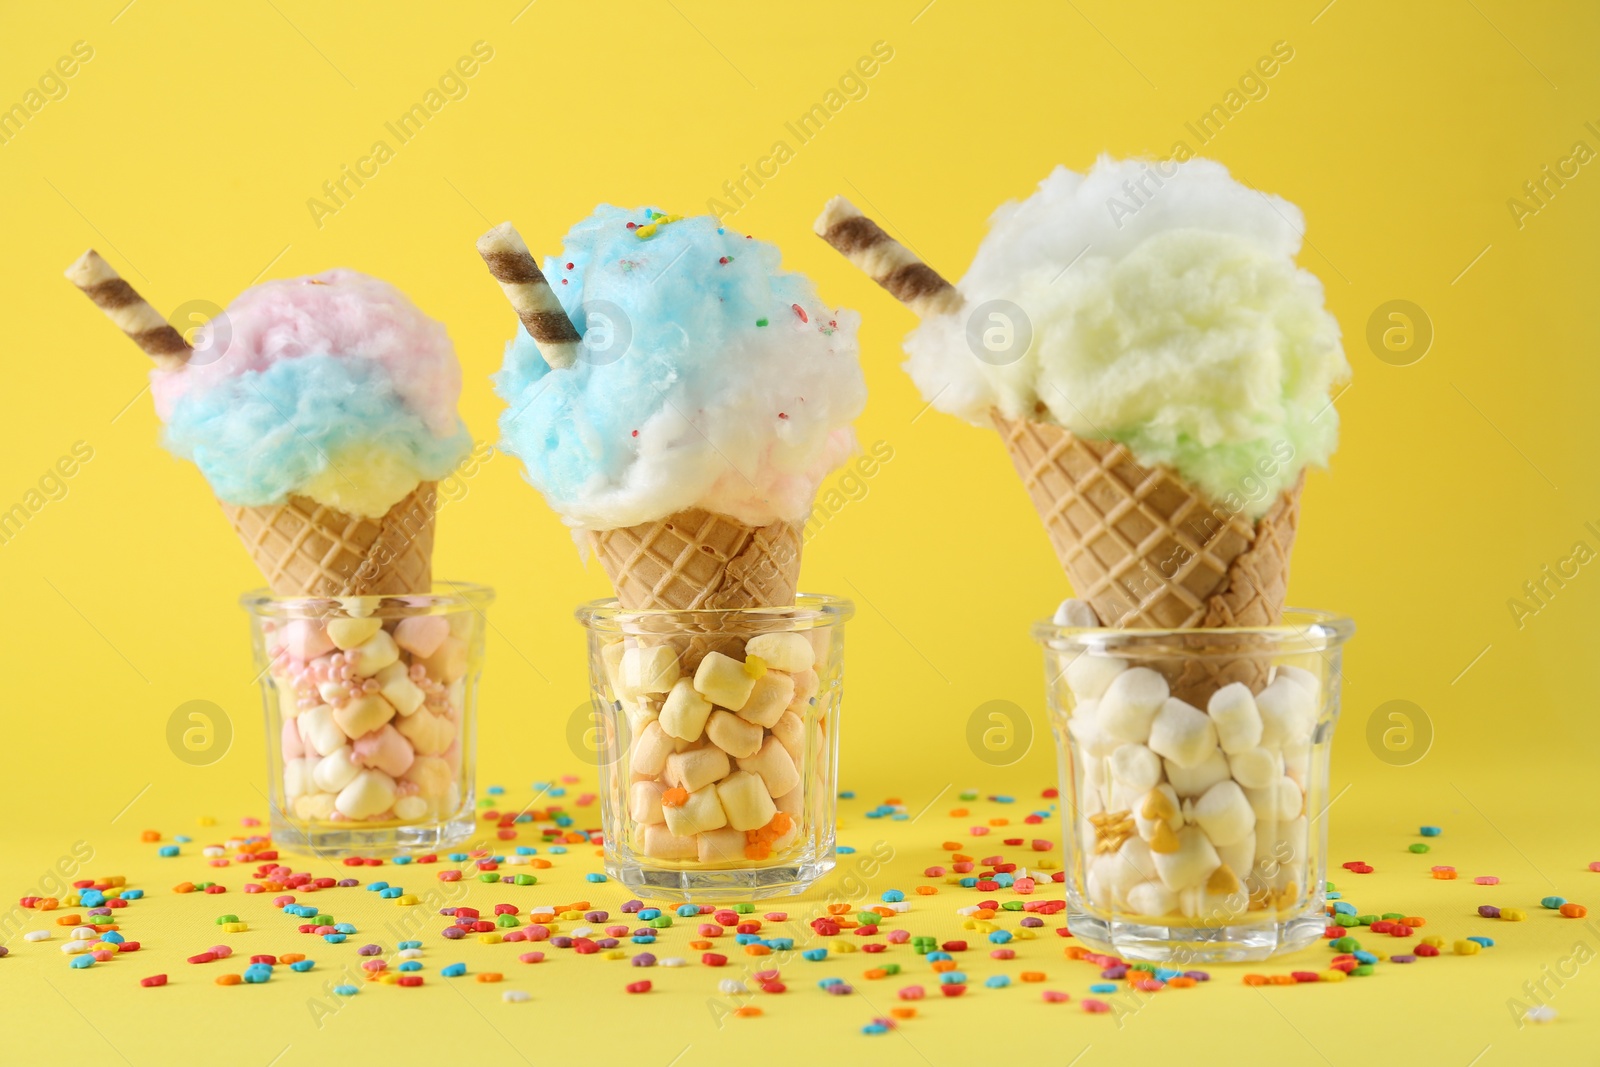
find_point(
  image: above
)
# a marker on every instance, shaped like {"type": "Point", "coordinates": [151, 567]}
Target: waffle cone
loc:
{"type": "Point", "coordinates": [696, 559]}
{"type": "Point", "coordinates": [304, 548]}
{"type": "Point", "coordinates": [1148, 550]}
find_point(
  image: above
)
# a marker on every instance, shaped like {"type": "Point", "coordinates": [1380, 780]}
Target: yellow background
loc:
{"type": "Point", "coordinates": [186, 151]}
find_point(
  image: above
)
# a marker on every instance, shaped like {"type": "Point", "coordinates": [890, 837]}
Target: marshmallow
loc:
{"type": "Point", "coordinates": [431, 775]}
{"type": "Point", "coordinates": [373, 654]}
{"type": "Point", "coordinates": [1297, 761]}
{"type": "Point", "coordinates": [782, 652]}
{"type": "Point", "coordinates": [746, 801]}
{"type": "Point", "coordinates": [771, 696]}
{"type": "Point", "coordinates": [644, 802]}
{"type": "Point", "coordinates": [1183, 734]}
{"type": "Point", "coordinates": [1132, 863]}
{"type": "Point", "coordinates": [775, 766]}
{"type": "Point", "coordinates": [320, 730]}
{"type": "Point", "coordinates": [1225, 814]}
{"type": "Point", "coordinates": [721, 846]}
{"type": "Point", "coordinates": [700, 811]}
{"type": "Point", "coordinates": [1193, 781]}
{"type": "Point", "coordinates": [421, 635]}
{"type": "Point", "coordinates": [297, 778]}
{"type": "Point", "coordinates": [396, 686]}
{"type": "Point", "coordinates": [314, 807]}
{"type": "Point", "coordinates": [292, 744]}
{"type": "Point", "coordinates": [384, 749]}
{"type": "Point", "coordinates": [305, 639]}
{"type": "Point", "coordinates": [428, 733]}
{"type": "Point", "coordinates": [348, 633]}
{"type": "Point", "coordinates": [696, 768]}
{"type": "Point", "coordinates": [685, 712]}
{"type": "Point", "coordinates": [724, 681]}
{"type": "Point", "coordinates": [363, 714]}
{"type": "Point", "coordinates": [288, 702]}
{"type": "Point", "coordinates": [1233, 711]}
{"type": "Point", "coordinates": [733, 734]}
{"type": "Point", "coordinates": [1152, 898]}
{"type": "Point", "coordinates": [1094, 742]}
{"type": "Point", "coordinates": [650, 670]}
{"type": "Point", "coordinates": [1308, 681]}
{"type": "Point", "coordinates": [1240, 856]}
{"type": "Point", "coordinates": [651, 749]}
{"type": "Point", "coordinates": [611, 658]}
{"type": "Point", "coordinates": [1287, 712]}
{"type": "Point", "coordinates": [410, 808]}
{"type": "Point", "coordinates": [1282, 849]}
{"type": "Point", "coordinates": [806, 684]}
{"type": "Point", "coordinates": [1221, 899]}
{"type": "Point", "coordinates": [448, 662]}
{"type": "Point", "coordinates": [791, 734]}
{"type": "Point", "coordinates": [640, 710]}
{"type": "Point", "coordinates": [1077, 614]}
{"type": "Point", "coordinates": [791, 802]}
{"type": "Point", "coordinates": [335, 770]}
{"type": "Point", "coordinates": [660, 843]}
{"type": "Point", "coordinates": [1159, 808]}
{"type": "Point", "coordinates": [1256, 768]}
{"type": "Point", "coordinates": [1136, 768]}
{"type": "Point", "coordinates": [369, 793]}
{"type": "Point", "coordinates": [1190, 864]}
{"type": "Point", "coordinates": [1278, 802]}
{"type": "Point", "coordinates": [1089, 675]}
{"type": "Point", "coordinates": [1131, 702]}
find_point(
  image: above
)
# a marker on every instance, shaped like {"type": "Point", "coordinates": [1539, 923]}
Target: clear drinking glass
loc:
{"type": "Point", "coordinates": [1194, 784]}
{"type": "Point", "coordinates": [371, 706]}
{"type": "Point", "coordinates": [718, 745]}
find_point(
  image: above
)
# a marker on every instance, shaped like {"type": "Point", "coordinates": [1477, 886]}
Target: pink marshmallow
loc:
{"type": "Point", "coordinates": [422, 635]}
{"type": "Point", "coordinates": [384, 749]}
{"type": "Point", "coordinates": [294, 747]}
{"type": "Point", "coordinates": [305, 639]}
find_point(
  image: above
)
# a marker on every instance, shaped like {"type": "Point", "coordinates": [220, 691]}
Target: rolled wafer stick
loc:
{"type": "Point", "coordinates": [131, 312]}
{"type": "Point", "coordinates": [885, 260]}
{"type": "Point", "coordinates": [514, 267]}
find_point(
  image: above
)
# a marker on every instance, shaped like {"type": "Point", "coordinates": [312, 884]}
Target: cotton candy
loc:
{"type": "Point", "coordinates": [334, 386]}
{"type": "Point", "coordinates": [1166, 312]}
{"type": "Point", "coordinates": [708, 377]}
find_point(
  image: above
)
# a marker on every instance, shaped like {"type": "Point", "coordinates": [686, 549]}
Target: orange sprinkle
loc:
{"type": "Point", "coordinates": [150, 835]}
{"type": "Point", "coordinates": [489, 976]}
{"type": "Point", "coordinates": [183, 887]}
{"type": "Point", "coordinates": [1180, 982]}
{"type": "Point", "coordinates": [886, 912]}
{"type": "Point", "coordinates": [1574, 911]}
{"type": "Point", "coordinates": [1282, 979]}
{"type": "Point", "coordinates": [69, 920]}
{"type": "Point", "coordinates": [229, 979]}
{"type": "Point", "coordinates": [941, 966]}
{"type": "Point", "coordinates": [960, 858]}
{"type": "Point", "coordinates": [983, 913]}
{"type": "Point", "coordinates": [894, 800]}
{"type": "Point", "coordinates": [576, 839]}
{"type": "Point", "coordinates": [903, 1013]}
{"type": "Point", "coordinates": [700, 946]}
{"type": "Point", "coordinates": [757, 950]}
{"type": "Point", "coordinates": [838, 909]}
{"type": "Point", "coordinates": [676, 797]}
{"type": "Point", "coordinates": [1255, 979]}
{"type": "Point", "coordinates": [926, 890]}
{"type": "Point", "coordinates": [291, 957]}
{"type": "Point", "coordinates": [876, 973]}
{"type": "Point", "coordinates": [757, 850]}
{"type": "Point", "coordinates": [101, 928]}
{"type": "Point", "coordinates": [539, 864]}
{"type": "Point", "coordinates": [951, 846]}
{"type": "Point", "coordinates": [1076, 952]}
{"type": "Point", "coordinates": [1032, 976]}
{"type": "Point", "coordinates": [48, 904]}
{"type": "Point", "coordinates": [846, 924]}
{"type": "Point", "coordinates": [1414, 921]}
{"type": "Point", "coordinates": [958, 813]}
{"type": "Point", "coordinates": [749, 1011]}
{"type": "Point", "coordinates": [999, 822]}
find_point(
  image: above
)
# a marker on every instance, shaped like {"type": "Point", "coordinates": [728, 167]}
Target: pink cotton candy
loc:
{"type": "Point", "coordinates": [340, 313]}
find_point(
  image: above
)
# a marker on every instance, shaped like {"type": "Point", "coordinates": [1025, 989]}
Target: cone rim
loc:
{"type": "Point", "coordinates": [446, 594]}
{"type": "Point", "coordinates": [1302, 630]}
{"type": "Point", "coordinates": [820, 609]}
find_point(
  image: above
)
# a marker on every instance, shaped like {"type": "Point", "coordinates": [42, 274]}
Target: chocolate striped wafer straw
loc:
{"type": "Point", "coordinates": [514, 267]}
{"type": "Point", "coordinates": [131, 312]}
{"type": "Point", "coordinates": [885, 260]}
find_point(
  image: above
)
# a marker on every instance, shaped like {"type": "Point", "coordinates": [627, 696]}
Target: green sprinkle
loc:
{"type": "Point", "coordinates": [525, 879]}
{"type": "Point", "coordinates": [761, 322]}
{"type": "Point", "coordinates": [1366, 920]}
{"type": "Point", "coordinates": [661, 922]}
{"type": "Point", "coordinates": [1013, 905]}
{"type": "Point", "coordinates": [744, 909]}
{"type": "Point", "coordinates": [1393, 915]}
{"type": "Point", "coordinates": [507, 921]}
{"type": "Point", "coordinates": [969, 795]}
{"type": "Point", "coordinates": [1362, 969]}
{"type": "Point", "coordinates": [227, 919]}
{"type": "Point", "coordinates": [1419, 847]}
{"type": "Point", "coordinates": [1345, 944]}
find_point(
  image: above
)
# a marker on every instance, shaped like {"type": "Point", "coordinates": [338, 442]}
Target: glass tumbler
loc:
{"type": "Point", "coordinates": [718, 745]}
{"type": "Point", "coordinates": [1194, 784]}
{"type": "Point", "coordinates": [371, 706]}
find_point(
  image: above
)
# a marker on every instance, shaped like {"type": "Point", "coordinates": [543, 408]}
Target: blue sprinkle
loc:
{"type": "Point", "coordinates": [874, 1028]}
{"type": "Point", "coordinates": [410, 965]}
{"type": "Point", "coordinates": [646, 914]}
{"type": "Point", "coordinates": [1103, 987]}
{"type": "Point", "coordinates": [132, 894]}
{"type": "Point", "coordinates": [346, 990]}
{"type": "Point", "coordinates": [558, 850]}
{"type": "Point", "coordinates": [527, 850]}
{"type": "Point", "coordinates": [377, 887]}
{"type": "Point", "coordinates": [526, 816]}
{"type": "Point", "coordinates": [1003, 799]}
{"type": "Point", "coordinates": [999, 937]}
{"type": "Point", "coordinates": [540, 787]}
{"type": "Point", "coordinates": [113, 937]}
{"type": "Point", "coordinates": [1004, 880]}
{"type": "Point", "coordinates": [559, 791]}
{"type": "Point", "coordinates": [779, 944]}
{"type": "Point", "coordinates": [1364, 957]}
{"type": "Point", "coordinates": [344, 928]}
{"type": "Point", "coordinates": [892, 896]}
{"type": "Point", "coordinates": [1167, 974]}
{"type": "Point", "coordinates": [91, 898]}
{"type": "Point", "coordinates": [459, 857]}
{"type": "Point", "coordinates": [968, 883]}
{"type": "Point", "coordinates": [847, 794]}
{"type": "Point", "coordinates": [409, 944]}
{"type": "Point", "coordinates": [167, 850]}
{"type": "Point", "coordinates": [1486, 942]}
{"type": "Point", "coordinates": [302, 965]}
{"type": "Point", "coordinates": [1431, 831]}
{"type": "Point", "coordinates": [81, 960]}
{"type": "Point", "coordinates": [935, 957]}
{"type": "Point", "coordinates": [1344, 909]}
{"type": "Point", "coordinates": [746, 939]}
{"type": "Point", "coordinates": [596, 876]}
{"type": "Point", "coordinates": [952, 978]}
{"type": "Point", "coordinates": [899, 816]}
{"type": "Point", "coordinates": [686, 911]}
{"type": "Point", "coordinates": [998, 981]}
{"type": "Point", "coordinates": [453, 970]}
{"type": "Point", "coordinates": [334, 939]}
{"type": "Point", "coordinates": [401, 860]}
{"type": "Point", "coordinates": [182, 839]}
{"type": "Point", "coordinates": [824, 983]}
{"type": "Point", "coordinates": [815, 955]}
{"type": "Point", "coordinates": [496, 790]}
{"type": "Point", "coordinates": [391, 892]}
{"type": "Point", "coordinates": [845, 850]}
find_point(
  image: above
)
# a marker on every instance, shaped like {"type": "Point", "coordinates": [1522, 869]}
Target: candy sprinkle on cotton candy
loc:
{"type": "Point", "coordinates": [1160, 306]}
{"type": "Point", "coordinates": [706, 377]}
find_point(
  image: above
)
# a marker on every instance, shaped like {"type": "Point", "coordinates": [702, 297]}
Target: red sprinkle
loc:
{"type": "Point", "coordinates": [411, 979]}
{"type": "Point", "coordinates": [798, 310]}
{"type": "Point", "coordinates": [638, 987]}
{"type": "Point", "coordinates": [153, 981]}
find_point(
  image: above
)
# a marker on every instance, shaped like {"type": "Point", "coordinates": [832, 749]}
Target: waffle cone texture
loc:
{"type": "Point", "coordinates": [695, 559]}
{"type": "Point", "coordinates": [304, 548]}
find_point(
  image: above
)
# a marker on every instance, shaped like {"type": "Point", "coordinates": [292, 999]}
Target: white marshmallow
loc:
{"type": "Point", "coordinates": [769, 699]}
{"type": "Point", "coordinates": [733, 734]}
{"type": "Point", "coordinates": [660, 843]}
{"type": "Point", "coordinates": [314, 807]}
{"type": "Point", "coordinates": [1077, 614]}
{"type": "Point", "coordinates": [806, 684]}
{"type": "Point", "coordinates": [651, 747]}
{"type": "Point", "coordinates": [775, 766]}
{"type": "Point", "coordinates": [1256, 768]}
{"type": "Point", "coordinates": [685, 712]}
{"type": "Point", "coordinates": [791, 733]}
{"type": "Point", "coordinates": [724, 681]}
{"type": "Point", "coordinates": [421, 635]}
{"type": "Point", "coordinates": [792, 802]}
{"type": "Point", "coordinates": [1221, 899]}
{"type": "Point", "coordinates": [644, 802]}
{"type": "Point", "coordinates": [348, 633]}
{"type": "Point", "coordinates": [1193, 781]}
{"type": "Point", "coordinates": [1287, 713]}
{"type": "Point", "coordinates": [1225, 814]}
{"type": "Point", "coordinates": [297, 777]}
{"type": "Point", "coordinates": [1131, 864]}
{"type": "Point", "coordinates": [428, 733]}
{"type": "Point", "coordinates": [335, 770]}
{"type": "Point", "coordinates": [1093, 742]}
{"type": "Point", "coordinates": [363, 714]}
{"type": "Point", "coordinates": [1297, 761]}
{"type": "Point", "coordinates": [695, 769]}
{"type": "Point", "coordinates": [783, 651]}
{"type": "Point", "coordinates": [721, 846]}
{"type": "Point", "coordinates": [1183, 734]}
{"type": "Point", "coordinates": [1131, 702]}
{"type": "Point", "coordinates": [611, 657]}
{"type": "Point", "coordinates": [373, 654]}
{"type": "Point", "coordinates": [1090, 675]}
{"type": "Point", "coordinates": [701, 811]}
{"type": "Point", "coordinates": [398, 688]}
{"type": "Point", "coordinates": [1136, 768]}
{"type": "Point", "coordinates": [1158, 808]}
{"type": "Point", "coordinates": [412, 807]}
{"type": "Point", "coordinates": [1281, 852]}
{"type": "Point", "coordinates": [1191, 863]}
{"type": "Point", "coordinates": [1278, 802]}
{"type": "Point", "coordinates": [319, 730]}
{"type": "Point", "coordinates": [640, 711]}
{"type": "Point", "coordinates": [1308, 681]}
{"type": "Point", "coordinates": [1152, 898]}
{"type": "Point", "coordinates": [1240, 856]}
{"type": "Point", "coordinates": [746, 801]}
{"type": "Point", "coordinates": [369, 793]}
{"type": "Point", "coordinates": [650, 670]}
{"type": "Point", "coordinates": [1233, 710]}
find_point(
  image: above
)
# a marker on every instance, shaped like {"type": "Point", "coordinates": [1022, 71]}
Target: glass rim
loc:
{"type": "Point", "coordinates": [817, 609]}
{"type": "Point", "coordinates": [447, 594]}
{"type": "Point", "coordinates": [1303, 630]}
